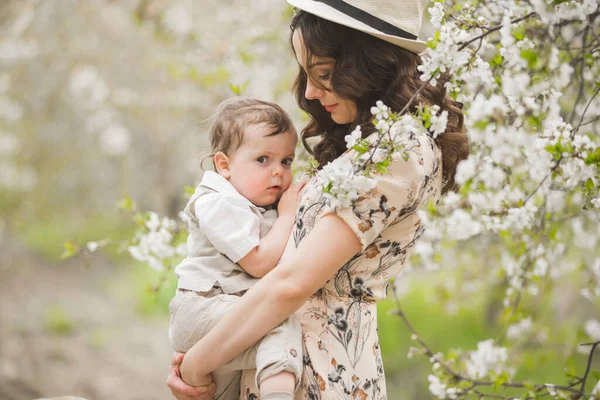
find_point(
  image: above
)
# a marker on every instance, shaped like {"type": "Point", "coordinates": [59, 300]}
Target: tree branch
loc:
{"type": "Point", "coordinates": [494, 29]}
{"type": "Point", "coordinates": [475, 382]}
{"type": "Point", "coordinates": [586, 108]}
{"type": "Point", "coordinates": [589, 363]}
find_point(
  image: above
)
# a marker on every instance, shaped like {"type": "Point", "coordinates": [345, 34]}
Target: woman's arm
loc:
{"type": "Point", "coordinates": [275, 297]}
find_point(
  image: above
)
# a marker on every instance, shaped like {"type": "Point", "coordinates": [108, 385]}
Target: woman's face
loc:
{"type": "Point", "coordinates": [342, 111]}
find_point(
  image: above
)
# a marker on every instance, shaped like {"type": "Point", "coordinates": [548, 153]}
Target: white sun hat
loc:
{"type": "Point", "coordinates": [395, 21]}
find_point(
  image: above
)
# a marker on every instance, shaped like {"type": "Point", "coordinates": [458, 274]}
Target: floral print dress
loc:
{"type": "Point", "coordinates": [342, 358]}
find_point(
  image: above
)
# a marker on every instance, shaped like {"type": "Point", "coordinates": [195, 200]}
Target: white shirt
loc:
{"type": "Point", "coordinates": [223, 227]}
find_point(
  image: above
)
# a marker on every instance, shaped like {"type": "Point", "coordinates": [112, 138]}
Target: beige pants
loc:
{"type": "Point", "coordinates": [193, 314]}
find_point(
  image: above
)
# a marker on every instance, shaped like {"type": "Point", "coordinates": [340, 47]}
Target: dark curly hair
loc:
{"type": "Point", "coordinates": [368, 69]}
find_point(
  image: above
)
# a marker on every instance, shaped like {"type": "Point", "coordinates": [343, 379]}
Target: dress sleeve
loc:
{"type": "Point", "coordinates": [229, 224]}
{"type": "Point", "coordinates": [398, 192]}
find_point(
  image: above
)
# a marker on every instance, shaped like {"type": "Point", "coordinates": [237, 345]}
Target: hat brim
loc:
{"type": "Point", "coordinates": [331, 14]}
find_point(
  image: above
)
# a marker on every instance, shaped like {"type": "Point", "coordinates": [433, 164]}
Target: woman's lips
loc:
{"type": "Point", "coordinates": [331, 107]}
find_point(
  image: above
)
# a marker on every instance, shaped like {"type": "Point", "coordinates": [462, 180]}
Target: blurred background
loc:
{"type": "Point", "coordinates": [102, 99]}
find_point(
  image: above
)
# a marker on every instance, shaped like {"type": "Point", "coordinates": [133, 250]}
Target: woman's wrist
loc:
{"type": "Point", "coordinates": [192, 376]}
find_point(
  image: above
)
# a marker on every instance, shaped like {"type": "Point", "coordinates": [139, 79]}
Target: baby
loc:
{"type": "Point", "coordinates": [235, 238]}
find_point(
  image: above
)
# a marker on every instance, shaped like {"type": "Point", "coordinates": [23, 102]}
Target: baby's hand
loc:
{"type": "Point", "coordinates": [289, 200]}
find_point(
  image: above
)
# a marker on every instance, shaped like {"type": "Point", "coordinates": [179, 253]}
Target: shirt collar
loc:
{"type": "Point", "coordinates": [214, 181]}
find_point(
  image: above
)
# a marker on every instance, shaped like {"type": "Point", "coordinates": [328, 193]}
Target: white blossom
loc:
{"type": "Point", "coordinates": [436, 387]}
{"type": "Point", "coordinates": [353, 137]}
{"type": "Point", "coordinates": [596, 390]}
{"type": "Point", "coordinates": [115, 140]}
{"type": "Point", "coordinates": [485, 359]}
{"type": "Point", "coordinates": [87, 85]}
{"type": "Point", "coordinates": [9, 144]}
{"type": "Point", "coordinates": [15, 177]}
{"type": "Point", "coordinates": [436, 14]}
{"type": "Point", "coordinates": [18, 50]}
{"type": "Point", "coordinates": [380, 110]}
{"type": "Point", "coordinates": [587, 294]}
{"type": "Point", "coordinates": [592, 329]}
{"type": "Point", "coordinates": [10, 110]}
{"type": "Point", "coordinates": [551, 390]}
{"type": "Point", "coordinates": [519, 329]}
{"type": "Point", "coordinates": [92, 246]}
{"type": "Point", "coordinates": [183, 217]}
{"type": "Point", "coordinates": [155, 246]}
{"type": "Point", "coordinates": [465, 171]}
{"type": "Point", "coordinates": [383, 126]}
{"type": "Point", "coordinates": [340, 184]}
{"type": "Point", "coordinates": [438, 123]}
{"type": "Point", "coordinates": [464, 224]}
{"type": "Point", "coordinates": [177, 19]}
{"type": "Point", "coordinates": [492, 176]}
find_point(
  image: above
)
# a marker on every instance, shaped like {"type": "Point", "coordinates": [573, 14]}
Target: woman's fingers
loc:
{"type": "Point", "coordinates": [183, 391]}
{"type": "Point", "coordinates": [180, 389]}
{"type": "Point", "coordinates": [177, 359]}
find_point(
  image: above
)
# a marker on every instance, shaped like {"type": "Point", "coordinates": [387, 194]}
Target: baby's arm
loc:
{"type": "Point", "coordinates": [264, 257]}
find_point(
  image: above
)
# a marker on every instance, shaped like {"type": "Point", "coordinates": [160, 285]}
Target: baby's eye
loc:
{"type": "Point", "coordinates": [287, 162]}
{"type": "Point", "coordinates": [262, 159]}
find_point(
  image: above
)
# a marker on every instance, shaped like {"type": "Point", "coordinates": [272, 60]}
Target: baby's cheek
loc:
{"type": "Point", "coordinates": [287, 180]}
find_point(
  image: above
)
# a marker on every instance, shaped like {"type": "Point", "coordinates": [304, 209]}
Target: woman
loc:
{"type": "Point", "coordinates": [337, 262]}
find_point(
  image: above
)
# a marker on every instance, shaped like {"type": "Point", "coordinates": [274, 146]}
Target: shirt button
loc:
{"type": "Point", "coordinates": [293, 352]}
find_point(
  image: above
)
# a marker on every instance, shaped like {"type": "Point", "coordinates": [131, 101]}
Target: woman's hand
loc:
{"type": "Point", "coordinates": [180, 389]}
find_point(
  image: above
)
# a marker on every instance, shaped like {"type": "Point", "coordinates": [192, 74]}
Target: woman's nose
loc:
{"type": "Point", "coordinates": [312, 92]}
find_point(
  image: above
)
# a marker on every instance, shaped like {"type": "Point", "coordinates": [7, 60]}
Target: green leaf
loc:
{"type": "Point", "coordinates": [189, 190]}
{"type": "Point", "coordinates": [247, 57]}
{"type": "Point", "coordinates": [519, 32]}
{"type": "Point", "coordinates": [57, 321]}
{"type": "Point", "coordinates": [235, 89]}
{"type": "Point", "coordinates": [217, 77]}
{"type": "Point", "coordinates": [497, 60]}
{"type": "Point", "coordinates": [593, 158]}
{"type": "Point", "coordinates": [589, 184]}
{"type": "Point", "coordinates": [431, 207]}
{"type": "Point", "coordinates": [481, 124]}
{"type": "Point", "coordinates": [194, 75]}
{"type": "Point", "coordinates": [361, 147]}
{"type": "Point", "coordinates": [238, 90]}
{"type": "Point", "coordinates": [432, 44]}
{"type": "Point", "coordinates": [499, 379]}
{"type": "Point", "coordinates": [70, 250]}
{"type": "Point", "coordinates": [530, 56]}
{"type": "Point", "coordinates": [570, 372]}
{"type": "Point", "coordinates": [553, 232]}
{"type": "Point", "coordinates": [140, 220]}
{"type": "Point", "coordinates": [126, 204]}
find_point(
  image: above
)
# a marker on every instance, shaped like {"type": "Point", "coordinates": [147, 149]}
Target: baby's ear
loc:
{"type": "Point", "coordinates": [222, 164]}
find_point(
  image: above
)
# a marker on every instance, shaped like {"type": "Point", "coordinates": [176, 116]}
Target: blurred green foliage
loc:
{"type": "Point", "coordinates": [406, 377]}
{"type": "Point", "coordinates": [47, 236]}
{"type": "Point", "coordinates": [57, 321]}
